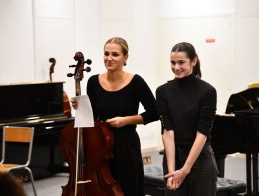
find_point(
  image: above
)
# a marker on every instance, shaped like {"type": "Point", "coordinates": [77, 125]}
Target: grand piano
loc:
{"type": "Point", "coordinates": [238, 131]}
{"type": "Point", "coordinates": [39, 105]}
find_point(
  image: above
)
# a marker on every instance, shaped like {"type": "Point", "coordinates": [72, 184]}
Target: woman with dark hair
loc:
{"type": "Point", "coordinates": [10, 186]}
{"type": "Point", "coordinates": [115, 97]}
{"type": "Point", "coordinates": [186, 106]}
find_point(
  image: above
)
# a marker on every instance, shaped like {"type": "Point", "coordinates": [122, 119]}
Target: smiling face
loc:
{"type": "Point", "coordinates": [181, 65]}
{"type": "Point", "coordinates": [114, 58]}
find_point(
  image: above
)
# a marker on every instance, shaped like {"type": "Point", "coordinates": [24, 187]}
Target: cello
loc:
{"type": "Point", "coordinates": [67, 109]}
{"type": "Point", "coordinates": [87, 151]}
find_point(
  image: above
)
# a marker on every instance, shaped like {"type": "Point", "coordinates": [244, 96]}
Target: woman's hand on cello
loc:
{"type": "Point", "coordinates": [74, 103]}
{"type": "Point", "coordinates": [117, 122]}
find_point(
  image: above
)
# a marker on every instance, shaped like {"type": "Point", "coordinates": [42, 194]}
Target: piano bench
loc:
{"type": "Point", "coordinates": [154, 184]}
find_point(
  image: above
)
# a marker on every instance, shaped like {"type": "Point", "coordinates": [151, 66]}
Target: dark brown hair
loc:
{"type": "Point", "coordinates": [10, 185]}
{"type": "Point", "coordinates": [191, 54]}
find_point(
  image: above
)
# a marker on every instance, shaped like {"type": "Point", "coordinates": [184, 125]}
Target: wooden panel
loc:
{"type": "Point", "coordinates": [17, 134]}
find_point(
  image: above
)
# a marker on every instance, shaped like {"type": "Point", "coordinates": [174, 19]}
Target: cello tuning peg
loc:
{"type": "Point", "coordinates": [87, 69]}
{"type": "Point", "coordinates": [72, 65]}
{"type": "Point", "coordinates": [88, 62]}
{"type": "Point", "coordinates": [70, 75]}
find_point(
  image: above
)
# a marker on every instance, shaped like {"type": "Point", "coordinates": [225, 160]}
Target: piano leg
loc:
{"type": "Point", "coordinates": [51, 155]}
{"type": "Point", "coordinates": [248, 173]}
{"type": "Point", "coordinates": [255, 174]}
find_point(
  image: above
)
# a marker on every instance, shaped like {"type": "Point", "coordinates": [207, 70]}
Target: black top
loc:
{"type": "Point", "coordinates": [187, 105]}
{"type": "Point", "coordinates": [126, 166]}
{"type": "Point", "coordinates": [124, 102]}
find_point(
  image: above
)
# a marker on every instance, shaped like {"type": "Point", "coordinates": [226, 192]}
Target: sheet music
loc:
{"type": "Point", "coordinates": [84, 113]}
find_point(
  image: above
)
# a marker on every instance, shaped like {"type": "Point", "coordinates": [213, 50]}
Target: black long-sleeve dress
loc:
{"type": "Point", "coordinates": [126, 166]}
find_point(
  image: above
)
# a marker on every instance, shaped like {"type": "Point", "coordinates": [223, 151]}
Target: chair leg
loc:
{"type": "Point", "coordinates": [32, 180]}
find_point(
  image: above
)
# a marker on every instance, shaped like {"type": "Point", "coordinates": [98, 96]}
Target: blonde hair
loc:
{"type": "Point", "coordinates": [121, 42]}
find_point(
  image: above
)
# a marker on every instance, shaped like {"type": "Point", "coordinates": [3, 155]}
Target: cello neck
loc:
{"type": "Point", "coordinates": [50, 77]}
{"type": "Point", "coordinates": [51, 69]}
{"type": "Point", "coordinates": [78, 87]}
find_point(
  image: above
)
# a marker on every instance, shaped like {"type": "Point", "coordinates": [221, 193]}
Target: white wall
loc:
{"type": "Point", "coordinates": [246, 43]}
{"type": "Point", "coordinates": [190, 7]}
{"type": "Point", "coordinates": [16, 41]}
{"type": "Point", "coordinates": [33, 31]}
{"type": "Point", "coordinates": [88, 35]}
{"type": "Point", "coordinates": [244, 7]}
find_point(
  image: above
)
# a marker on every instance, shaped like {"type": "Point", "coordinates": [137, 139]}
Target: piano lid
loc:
{"type": "Point", "coordinates": [28, 83]}
{"type": "Point", "coordinates": [31, 101]}
{"type": "Point", "coordinates": [244, 100]}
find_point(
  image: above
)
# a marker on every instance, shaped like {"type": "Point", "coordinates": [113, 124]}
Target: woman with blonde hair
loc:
{"type": "Point", "coordinates": [115, 97]}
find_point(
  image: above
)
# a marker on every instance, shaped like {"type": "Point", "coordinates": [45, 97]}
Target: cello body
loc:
{"type": "Point", "coordinates": [67, 108]}
{"type": "Point", "coordinates": [98, 142]}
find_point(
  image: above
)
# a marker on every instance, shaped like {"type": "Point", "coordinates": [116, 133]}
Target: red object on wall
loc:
{"type": "Point", "coordinates": [210, 40]}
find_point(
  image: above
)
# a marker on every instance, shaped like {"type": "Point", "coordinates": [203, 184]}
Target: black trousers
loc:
{"type": "Point", "coordinates": [202, 179]}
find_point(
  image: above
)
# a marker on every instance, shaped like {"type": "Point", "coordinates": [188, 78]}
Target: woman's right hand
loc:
{"type": "Point", "coordinates": [178, 175]}
{"type": "Point", "coordinates": [74, 103]}
{"type": "Point", "coordinates": [173, 184]}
